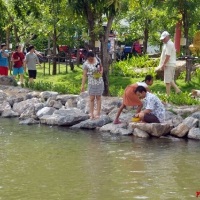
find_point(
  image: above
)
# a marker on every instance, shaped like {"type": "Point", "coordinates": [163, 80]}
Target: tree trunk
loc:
{"type": "Point", "coordinates": [7, 37]}
{"type": "Point", "coordinates": [146, 36]}
{"type": "Point", "coordinates": [54, 71]}
{"type": "Point", "coordinates": [186, 29]}
{"type": "Point", "coordinates": [105, 56]}
{"type": "Point", "coordinates": [105, 63]}
{"type": "Point", "coordinates": [17, 40]}
{"type": "Point", "coordinates": [92, 35]}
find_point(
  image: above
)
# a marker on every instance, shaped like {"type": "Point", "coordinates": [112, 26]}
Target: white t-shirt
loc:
{"type": "Point", "coordinates": [153, 103]}
{"type": "Point", "coordinates": [168, 49]}
{"type": "Point", "coordinates": [142, 84]}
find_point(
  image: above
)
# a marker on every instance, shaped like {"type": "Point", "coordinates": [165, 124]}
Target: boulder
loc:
{"type": "Point", "coordinates": [66, 97]}
{"type": "Point", "coordinates": [8, 113]}
{"type": "Point", "coordinates": [64, 117]}
{"type": "Point", "coordinates": [154, 129]}
{"type": "Point", "coordinates": [20, 107]}
{"type": "Point", "coordinates": [4, 106]}
{"type": "Point", "coordinates": [140, 133]}
{"type": "Point", "coordinates": [29, 121]}
{"type": "Point", "coordinates": [46, 94]}
{"type": "Point", "coordinates": [180, 131]}
{"type": "Point", "coordinates": [180, 67]}
{"type": "Point", "coordinates": [7, 80]}
{"type": "Point", "coordinates": [116, 129]}
{"type": "Point", "coordinates": [194, 133]}
{"type": "Point", "coordinates": [45, 111]}
{"type": "Point", "coordinates": [93, 123]}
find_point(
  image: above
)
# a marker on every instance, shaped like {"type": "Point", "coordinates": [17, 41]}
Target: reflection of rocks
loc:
{"type": "Point", "coordinates": [72, 111]}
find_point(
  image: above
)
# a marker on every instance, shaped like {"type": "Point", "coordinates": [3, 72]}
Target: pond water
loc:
{"type": "Point", "coordinates": [55, 163]}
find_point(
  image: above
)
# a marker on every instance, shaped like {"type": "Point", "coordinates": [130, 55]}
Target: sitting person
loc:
{"type": "Point", "coordinates": [154, 111]}
{"type": "Point", "coordinates": [131, 99]}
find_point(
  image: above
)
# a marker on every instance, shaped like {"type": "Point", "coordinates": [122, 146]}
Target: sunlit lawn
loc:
{"type": "Point", "coordinates": [117, 84]}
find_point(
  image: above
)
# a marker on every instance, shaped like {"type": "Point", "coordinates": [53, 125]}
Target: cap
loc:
{"type": "Point", "coordinates": [164, 35]}
{"type": "Point", "coordinates": [3, 44]}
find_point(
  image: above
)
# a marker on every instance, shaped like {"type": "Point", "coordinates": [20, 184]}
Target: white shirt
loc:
{"type": "Point", "coordinates": [142, 84]}
{"type": "Point", "coordinates": [153, 103]}
{"type": "Point", "coordinates": [168, 49]}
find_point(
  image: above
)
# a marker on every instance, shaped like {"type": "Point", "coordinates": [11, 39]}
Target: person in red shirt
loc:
{"type": "Point", "coordinates": [18, 60]}
{"type": "Point", "coordinates": [136, 48]}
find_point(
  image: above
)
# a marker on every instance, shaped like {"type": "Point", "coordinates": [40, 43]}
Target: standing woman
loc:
{"type": "Point", "coordinates": [93, 69]}
{"type": "Point", "coordinates": [31, 60]}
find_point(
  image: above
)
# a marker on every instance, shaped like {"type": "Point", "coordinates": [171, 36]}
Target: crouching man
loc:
{"type": "Point", "coordinates": [154, 110]}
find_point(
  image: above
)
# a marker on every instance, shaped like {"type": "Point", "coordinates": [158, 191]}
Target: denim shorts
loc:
{"type": "Point", "coordinates": [17, 71]}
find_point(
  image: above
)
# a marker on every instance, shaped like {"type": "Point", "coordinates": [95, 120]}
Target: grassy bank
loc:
{"type": "Point", "coordinates": [70, 83]}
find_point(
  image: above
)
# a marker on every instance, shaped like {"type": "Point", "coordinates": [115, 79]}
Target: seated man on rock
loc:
{"type": "Point", "coordinates": [154, 111]}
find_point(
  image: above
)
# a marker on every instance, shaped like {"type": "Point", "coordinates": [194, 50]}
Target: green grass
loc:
{"type": "Point", "coordinates": [70, 83]}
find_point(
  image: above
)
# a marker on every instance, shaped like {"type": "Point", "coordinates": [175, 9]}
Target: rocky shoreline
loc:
{"type": "Point", "coordinates": [51, 108]}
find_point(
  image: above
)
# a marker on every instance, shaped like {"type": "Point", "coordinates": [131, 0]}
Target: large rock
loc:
{"type": "Point", "coordinates": [172, 119]}
{"type": "Point", "coordinates": [194, 133]}
{"type": "Point", "coordinates": [45, 111]}
{"type": "Point", "coordinates": [3, 96]}
{"type": "Point", "coordinates": [191, 122]}
{"type": "Point", "coordinates": [140, 133]}
{"type": "Point", "coordinates": [154, 129]}
{"type": "Point", "coordinates": [64, 117]}
{"type": "Point", "coordinates": [24, 105]}
{"type": "Point", "coordinates": [4, 106]}
{"type": "Point", "coordinates": [28, 113]}
{"type": "Point", "coordinates": [183, 128]}
{"type": "Point", "coordinates": [7, 80]}
{"type": "Point", "coordinates": [92, 124]}
{"type": "Point", "coordinates": [8, 113]}
{"type": "Point", "coordinates": [180, 67]}
{"type": "Point", "coordinates": [108, 104]}
{"type": "Point", "coordinates": [120, 129]}
{"type": "Point", "coordinates": [185, 110]}
{"type": "Point", "coordinates": [46, 94]}
{"type": "Point", "coordinates": [29, 121]}
{"type": "Point", "coordinates": [180, 131]}
{"type": "Point", "coordinates": [125, 116]}
{"type": "Point", "coordinates": [66, 97]}
{"type": "Point", "coordinates": [196, 115]}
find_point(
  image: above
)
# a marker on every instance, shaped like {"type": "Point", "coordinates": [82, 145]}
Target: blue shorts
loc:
{"type": "Point", "coordinates": [17, 71]}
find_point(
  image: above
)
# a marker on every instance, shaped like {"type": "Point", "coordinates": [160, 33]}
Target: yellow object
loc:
{"type": "Point", "coordinates": [195, 47]}
{"type": "Point", "coordinates": [96, 75]}
{"type": "Point", "coordinates": [135, 119]}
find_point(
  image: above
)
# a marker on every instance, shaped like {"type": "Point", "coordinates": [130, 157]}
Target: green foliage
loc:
{"type": "Point", "coordinates": [50, 86]}
{"type": "Point", "coordinates": [133, 66]}
{"type": "Point", "coordinates": [70, 83]}
{"type": "Point", "coordinates": [183, 98]}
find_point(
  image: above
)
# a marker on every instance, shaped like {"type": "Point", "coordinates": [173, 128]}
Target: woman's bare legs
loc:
{"type": "Point", "coordinates": [92, 107]}
{"type": "Point", "coordinates": [98, 99]}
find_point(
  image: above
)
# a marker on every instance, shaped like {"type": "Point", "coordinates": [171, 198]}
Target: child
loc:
{"type": "Point", "coordinates": [131, 99]}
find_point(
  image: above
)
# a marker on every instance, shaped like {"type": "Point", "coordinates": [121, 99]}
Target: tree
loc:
{"type": "Point", "coordinates": [95, 13]}
{"type": "Point", "coordinates": [187, 12]}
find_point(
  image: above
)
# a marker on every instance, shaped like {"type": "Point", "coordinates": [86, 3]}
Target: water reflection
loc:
{"type": "Point", "coordinates": [49, 163]}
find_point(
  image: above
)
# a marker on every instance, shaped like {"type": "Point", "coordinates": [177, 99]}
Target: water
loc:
{"type": "Point", "coordinates": [56, 163]}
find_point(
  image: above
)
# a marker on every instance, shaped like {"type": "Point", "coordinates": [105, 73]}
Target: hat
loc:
{"type": "Point", "coordinates": [3, 44]}
{"type": "Point", "coordinates": [164, 35]}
